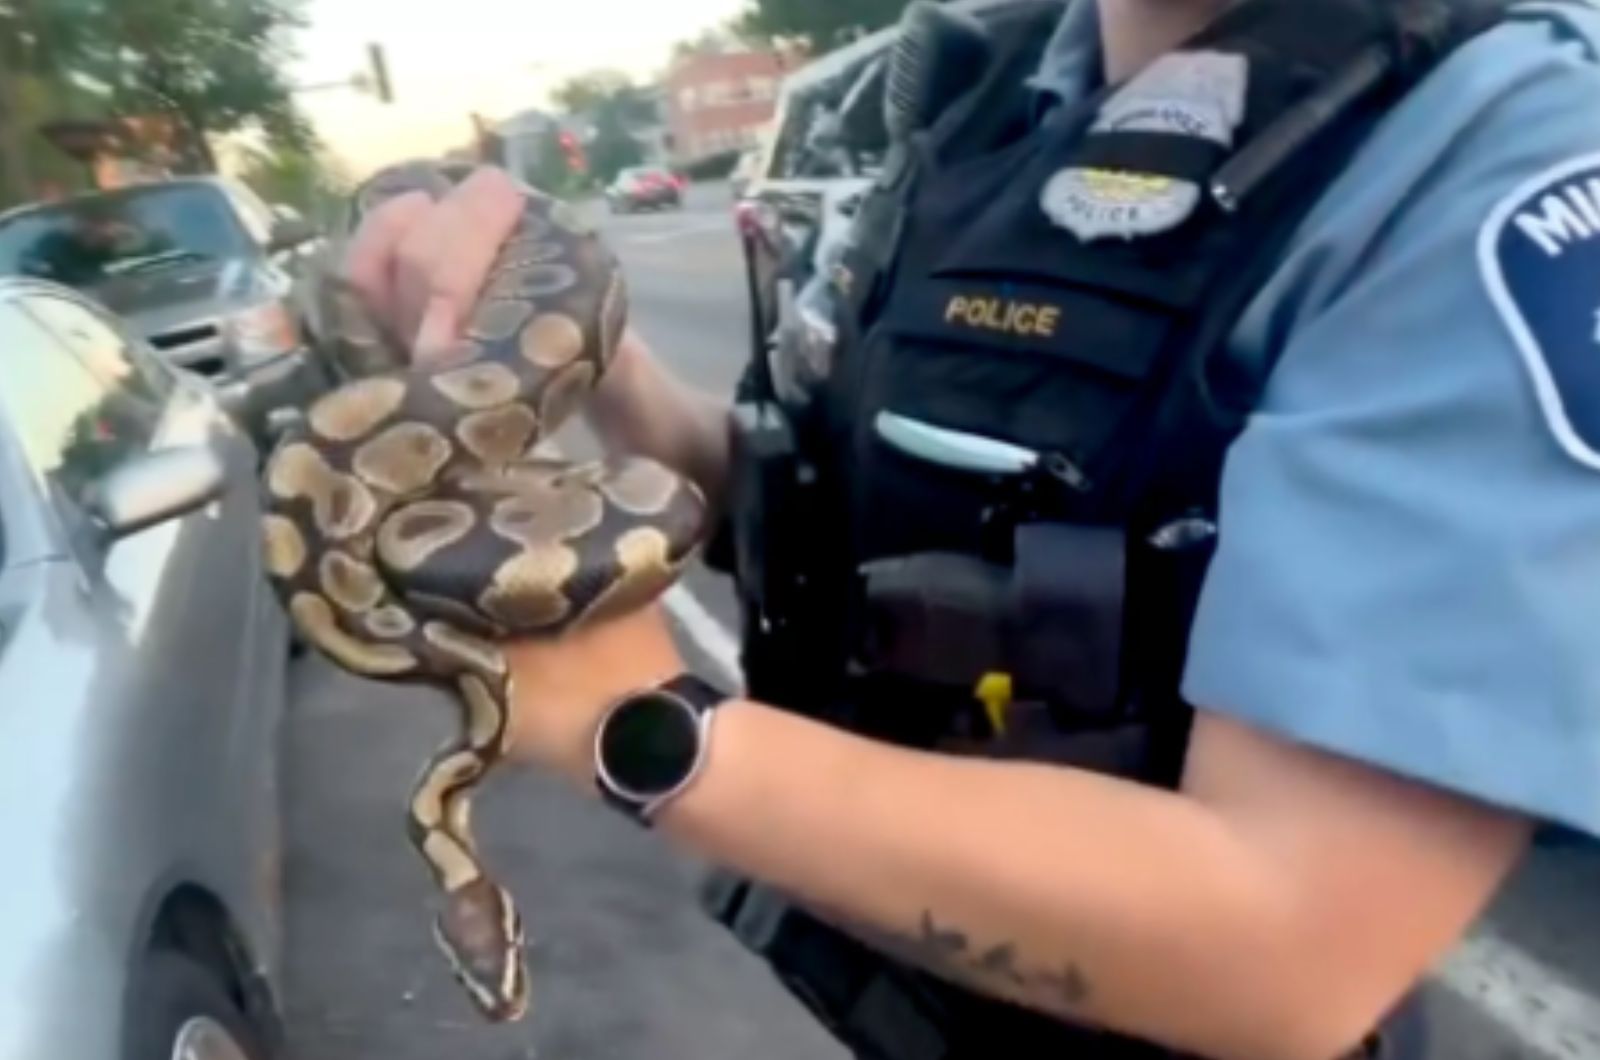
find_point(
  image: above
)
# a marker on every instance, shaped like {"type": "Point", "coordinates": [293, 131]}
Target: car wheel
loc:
{"type": "Point", "coordinates": [181, 1012]}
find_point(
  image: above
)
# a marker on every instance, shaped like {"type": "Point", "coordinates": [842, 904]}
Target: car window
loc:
{"type": "Point", "coordinates": [99, 238]}
{"type": "Point", "coordinates": [119, 361]}
{"type": "Point", "coordinates": [72, 426]}
{"type": "Point", "coordinates": [257, 216]}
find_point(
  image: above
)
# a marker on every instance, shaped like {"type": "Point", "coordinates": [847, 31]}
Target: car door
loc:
{"type": "Point", "coordinates": [199, 642]}
{"type": "Point", "coordinates": [210, 590]}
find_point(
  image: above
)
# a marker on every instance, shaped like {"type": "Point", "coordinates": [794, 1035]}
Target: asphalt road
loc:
{"type": "Point", "coordinates": [625, 968]}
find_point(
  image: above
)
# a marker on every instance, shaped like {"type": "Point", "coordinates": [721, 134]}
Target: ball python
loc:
{"type": "Point", "coordinates": [410, 528]}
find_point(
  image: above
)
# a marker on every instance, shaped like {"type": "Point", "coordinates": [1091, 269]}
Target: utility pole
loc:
{"type": "Point", "coordinates": [374, 79]}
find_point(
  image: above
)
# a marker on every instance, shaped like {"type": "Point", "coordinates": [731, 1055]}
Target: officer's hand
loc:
{"type": "Point", "coordinates": [420, 265]}
{"type": "Point", "coordinates": [563, 687]}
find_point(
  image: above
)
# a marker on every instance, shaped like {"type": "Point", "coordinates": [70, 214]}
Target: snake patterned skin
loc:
{"type": "Point", "coordinates": [410, 530]}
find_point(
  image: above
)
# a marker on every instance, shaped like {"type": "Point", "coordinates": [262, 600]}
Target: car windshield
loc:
{"type": "Point", "coordinates": [91, 240]}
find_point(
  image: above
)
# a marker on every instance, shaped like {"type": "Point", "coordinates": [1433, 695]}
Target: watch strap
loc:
{"type": "Point", "coordinates": [699, 693]}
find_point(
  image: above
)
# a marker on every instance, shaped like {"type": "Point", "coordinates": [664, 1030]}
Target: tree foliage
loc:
{"type": "Point", "coordinates": [607, 93]}
{"type": "Point", "coordinates": [736, 32]}
{"type": "Point", "coordinates": [581, 94]}
{"type": "Point", "coordinates": [39, 40]}
{"type": "Point", "coordinates": [214, 66]}
{"type": "Point", "coordinates": [208, 66]}
{"type": "Point", "coordinates": [612, 148]}
{"type": "Point", "coordinates": [613, 109]}
{"type": "Point", "coordinates": [822, 24]}
{"type": "Point", "coordinates": [310, 180]}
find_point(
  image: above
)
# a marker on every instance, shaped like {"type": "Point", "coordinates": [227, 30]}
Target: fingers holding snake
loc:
{"type": "Point", "coordinates": [409, 530]}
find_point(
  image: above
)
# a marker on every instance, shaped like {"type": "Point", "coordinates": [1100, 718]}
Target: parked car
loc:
{"type": "Point", "coordinates": [142, 670]}
{"type": "Point", "coordinates": [200, 267]}
{"type": "Point", "coordinates": [744, 172]}
{"type": "Point", "coordinates": [645, 188]}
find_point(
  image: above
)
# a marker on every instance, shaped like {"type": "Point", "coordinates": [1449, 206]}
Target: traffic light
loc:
{"type": "Point", "coordinates": [380, 73]}
{"type": "Point", "coordinates": [573, 150]}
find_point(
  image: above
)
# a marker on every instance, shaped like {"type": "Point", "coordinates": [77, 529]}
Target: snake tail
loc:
{"type": "Point", "coordinates": [478, 928]}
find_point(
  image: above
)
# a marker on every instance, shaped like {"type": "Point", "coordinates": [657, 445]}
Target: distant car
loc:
{"type": "Point", "coordinates": [142, 669]}
{"type": "Point", "coordinates": [645, 188]}
{"type": "Point", "coordinates": [200, 267]}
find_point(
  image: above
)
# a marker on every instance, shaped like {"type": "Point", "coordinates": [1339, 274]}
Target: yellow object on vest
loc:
{"type": "Point", "coordinates": [995, 692]}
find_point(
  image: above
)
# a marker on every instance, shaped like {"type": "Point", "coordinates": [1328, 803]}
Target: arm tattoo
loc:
{"type": "Point", "coordinates": [998, 970]}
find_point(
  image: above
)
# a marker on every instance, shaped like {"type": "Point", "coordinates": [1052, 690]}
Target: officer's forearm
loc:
{"type": "Point", "coordinates": [1096, 900]}
{"type": "Point", "coordinates": [642, 408]}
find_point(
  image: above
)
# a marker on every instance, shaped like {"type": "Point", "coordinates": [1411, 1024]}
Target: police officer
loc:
{"type": "Point", "coordinates": [1394, 661]}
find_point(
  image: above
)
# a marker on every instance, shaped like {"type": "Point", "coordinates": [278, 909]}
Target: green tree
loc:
{"type": "Point", "coordinates": [606, 92]}
{"type": "Point", "coordinates": [309, 179]}
{"type": "Point", "coordinates": [822, 24]}
{"type": "Point", "coordinates": [735, 32]}
{"type": "Point", "coordinates": [40, 40]}
{"type": "Point", "coordinates": [212, 66]}
{"type": "Point", "coordinates": [612, 148]}
{"type": "Point", "coordinates": [614, 108]}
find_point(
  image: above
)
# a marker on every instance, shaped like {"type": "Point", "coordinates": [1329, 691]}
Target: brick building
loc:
{"type": "Point", "coordinates": [720, 101]}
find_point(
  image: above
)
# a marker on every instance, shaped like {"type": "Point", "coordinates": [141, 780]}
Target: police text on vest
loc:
{"type": "Point", "coordinates": [1003, 315]}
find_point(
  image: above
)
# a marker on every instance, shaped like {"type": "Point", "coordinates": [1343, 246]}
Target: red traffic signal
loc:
{"type": "Point", "coordinates": [573, 150]}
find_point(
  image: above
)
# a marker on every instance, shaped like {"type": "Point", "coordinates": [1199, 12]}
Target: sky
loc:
{"type": "Point", "coordinates": [450, 58]}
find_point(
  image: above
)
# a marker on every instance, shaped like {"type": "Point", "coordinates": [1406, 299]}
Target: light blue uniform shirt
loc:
{"type": "Point", "coordinates": [1408, 571]}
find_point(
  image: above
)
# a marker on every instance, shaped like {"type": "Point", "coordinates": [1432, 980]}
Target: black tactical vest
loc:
{"type": "Point", "coordinates": [1011, 471]}
{"type": "Point", "coordinates": [1030, 407]}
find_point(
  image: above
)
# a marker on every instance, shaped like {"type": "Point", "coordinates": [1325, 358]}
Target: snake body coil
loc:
{"type": "Point", "coordinates": [410, 529]}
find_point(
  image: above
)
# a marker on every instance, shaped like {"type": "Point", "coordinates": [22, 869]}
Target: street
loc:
{"type": "Point", "coordinates": [624, 967]}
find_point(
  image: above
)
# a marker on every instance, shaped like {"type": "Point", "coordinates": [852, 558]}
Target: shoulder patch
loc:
{"type": "Point", "coordinates": [1540, 256]}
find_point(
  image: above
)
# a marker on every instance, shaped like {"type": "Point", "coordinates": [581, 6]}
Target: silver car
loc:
{"type": "Point", "coordinates": [142, 670]}
{"type": "Point", "coordinates": [199, 266]}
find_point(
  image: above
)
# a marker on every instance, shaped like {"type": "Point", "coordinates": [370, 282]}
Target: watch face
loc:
{"type": "Point", "coordinates": [649, 744]}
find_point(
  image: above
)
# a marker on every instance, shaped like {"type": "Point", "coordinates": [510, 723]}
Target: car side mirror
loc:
{"type": "Point", "coordinates": [289, 233]}
{"type": "Point", "coordinates": [156, 487]}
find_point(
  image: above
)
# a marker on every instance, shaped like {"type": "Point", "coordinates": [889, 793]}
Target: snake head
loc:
{"type": "Point", "coordinates": [481, 933]}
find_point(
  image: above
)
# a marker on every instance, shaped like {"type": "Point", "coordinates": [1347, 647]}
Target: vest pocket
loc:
{"type": "Point", "coordinates": [981, 376]}
{"type": "Point", "coordinates": [1051, 366]}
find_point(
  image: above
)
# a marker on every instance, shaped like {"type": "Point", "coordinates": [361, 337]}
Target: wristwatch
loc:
{"type": "Point", "coordinates": [651, 745]}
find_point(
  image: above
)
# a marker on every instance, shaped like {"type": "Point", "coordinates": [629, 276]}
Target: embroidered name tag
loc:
{"type": "Point", "coordinates": [1540, 256]}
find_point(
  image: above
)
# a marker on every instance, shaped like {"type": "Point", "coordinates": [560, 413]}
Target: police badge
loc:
{"type": "Point", "coordinates": [1194, 94]}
